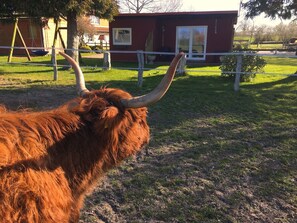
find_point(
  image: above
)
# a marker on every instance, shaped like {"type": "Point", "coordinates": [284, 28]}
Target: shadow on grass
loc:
{"type": "Point", "coordinates": [191, 97]}
{"type": "Point", "coordinates": [285, 84]}
{"type": "Point", "coordinates": [215, 155]}
{"type": "Point", "coordinates": [226, 174]}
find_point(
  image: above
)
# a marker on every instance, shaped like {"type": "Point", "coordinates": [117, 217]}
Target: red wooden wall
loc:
{"type": "Point", "coordinates": [30, 30]}
{"type": "Point", "coordinates": [163, 25]}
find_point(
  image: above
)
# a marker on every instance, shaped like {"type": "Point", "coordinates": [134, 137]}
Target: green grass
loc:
{"type": "Point", "coordinates": [244, 40]}
{"type": "Point", "coordinates": [215, 155]}
{"type": "Point", "coordinates": [266, 46]}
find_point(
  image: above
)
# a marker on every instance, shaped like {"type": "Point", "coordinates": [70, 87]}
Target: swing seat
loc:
{"type": "Point", "coordinates": [40, 52]}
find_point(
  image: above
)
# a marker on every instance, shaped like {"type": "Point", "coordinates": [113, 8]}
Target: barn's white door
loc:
{"type": "Point", "coordinates": [192, 40]}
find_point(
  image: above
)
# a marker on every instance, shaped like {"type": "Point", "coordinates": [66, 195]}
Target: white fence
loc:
{"type": "Point", "coordinates": [142, 60]}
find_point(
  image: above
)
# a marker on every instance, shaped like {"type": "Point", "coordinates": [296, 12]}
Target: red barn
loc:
{"type": "Point", "coordinates": [195, 33]}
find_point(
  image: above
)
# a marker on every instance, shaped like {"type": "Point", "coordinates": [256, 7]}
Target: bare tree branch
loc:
{"type": "Point", "coordinates": [137, 6]}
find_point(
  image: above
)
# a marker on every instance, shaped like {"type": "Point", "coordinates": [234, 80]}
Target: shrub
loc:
{"type": "Point", "coordinates": [251, 64]}
{"type": "Point", "coordinates": [98, 48]}
{"type": "Point", "coordinates": [85, 47]}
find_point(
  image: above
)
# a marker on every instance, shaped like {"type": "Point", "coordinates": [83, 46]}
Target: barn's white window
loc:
{"type": "Point", "coordinates": [122, 36]}
{"type": "Point", "coordinates": [192, 40]}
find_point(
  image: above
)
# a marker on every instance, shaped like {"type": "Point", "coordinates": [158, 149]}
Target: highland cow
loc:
{"type": "Point", "coordinates": [50, 160]}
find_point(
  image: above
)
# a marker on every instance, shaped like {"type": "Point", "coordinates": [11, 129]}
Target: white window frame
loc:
{"type": "Point", "coordinates": [190, 53]}
{"type": "Point", "coordinates": [114, 34]}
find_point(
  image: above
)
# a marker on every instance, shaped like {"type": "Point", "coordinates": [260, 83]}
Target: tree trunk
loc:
{"type": "Point", "coordinates": [72, 36]}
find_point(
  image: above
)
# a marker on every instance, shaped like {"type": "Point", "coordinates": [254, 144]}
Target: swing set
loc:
{"type": "Point", "coordinates": [39, 52]}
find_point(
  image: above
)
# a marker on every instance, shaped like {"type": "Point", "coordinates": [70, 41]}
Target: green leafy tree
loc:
{"type": "Point", "coordinates": [285, 9]}
{"type": "Point", "coordinates": [69, 9]}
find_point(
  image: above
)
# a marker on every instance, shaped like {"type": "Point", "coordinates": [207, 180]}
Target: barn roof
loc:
{"type": "Point", "coordinates": [196, 13]}
{"type": "Point", "coordinates": [181, 14]}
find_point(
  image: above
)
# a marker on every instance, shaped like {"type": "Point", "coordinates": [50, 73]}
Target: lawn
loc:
{"type": "Point", "coordinates": [214, 155]}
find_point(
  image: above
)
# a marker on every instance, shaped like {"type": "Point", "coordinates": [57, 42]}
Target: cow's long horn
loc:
{"type": "Point", "coordinates": [80, 80]}
{"type": "Point", "coordinates": [158, 92]}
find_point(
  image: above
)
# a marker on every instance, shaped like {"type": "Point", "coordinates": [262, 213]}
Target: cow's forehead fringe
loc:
{"type": "Point", "coordinates": [111, 95]}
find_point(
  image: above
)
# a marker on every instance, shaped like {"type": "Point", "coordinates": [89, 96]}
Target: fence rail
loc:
{"type": "Point", "coordinates": [107, 63]}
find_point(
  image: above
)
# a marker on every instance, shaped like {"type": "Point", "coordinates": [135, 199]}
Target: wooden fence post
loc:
{"type": "Point", "coordinates": [140, 58]}
{"type": "Point", "coordinates": [54, 61]}
{"type": "Point", "coordinates": [238, 72]}
{"type": "Point", "coordinates": [181, 66]}
{"type": "Point", "coordinates": [106, 61]}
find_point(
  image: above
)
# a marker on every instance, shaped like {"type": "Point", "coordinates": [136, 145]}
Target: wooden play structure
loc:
{"type": "Point", "coordinates": [16, 31]}
{"type": "Point", "coordinates": [27, 37]}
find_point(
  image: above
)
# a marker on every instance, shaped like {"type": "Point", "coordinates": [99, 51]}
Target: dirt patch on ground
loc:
{"type": "Point", "coordinates": [16, 95]}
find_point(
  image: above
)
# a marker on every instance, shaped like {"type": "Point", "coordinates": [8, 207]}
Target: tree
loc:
{"type": "Point", "coordinates": [283, 32]}
{"type": "Point", "coordinates": [137, 6]}
{"type": "Point", "coordinates": [69, 9]}
{"type": "Point", "coordinates": [259, 34]}
{"type": "Point", "coordinates": [84, 26]}
{"type": "Point", "coordinates": [246, 28]}
{"type": "Point", "coordinates": [284, 9]}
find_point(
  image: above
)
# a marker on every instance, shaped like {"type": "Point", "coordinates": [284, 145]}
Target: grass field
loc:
{"type": "Point", "coordinates": [214, 156]}
{"type": "Point", "coordinates": [246, 41]}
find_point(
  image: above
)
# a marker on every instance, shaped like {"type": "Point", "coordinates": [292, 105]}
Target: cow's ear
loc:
{"type": "Point", "coordinates": [110, 112]}
{"type": "Point", "coordinates": [106, 119]}
{"type": "Point", "coordinates": [109, 115]}
{"type": "Point", "coordinates": [91, 108]}
{"type": "Point", "coordinates": [104, 116]}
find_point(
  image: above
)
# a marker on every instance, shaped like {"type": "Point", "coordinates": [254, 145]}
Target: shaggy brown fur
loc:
{"type": "Point", "coordinates": [49, 160]}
